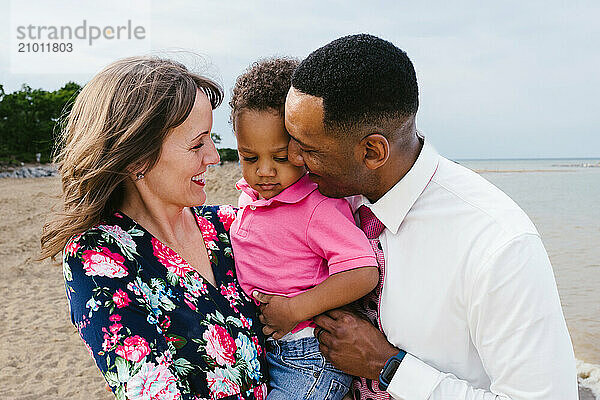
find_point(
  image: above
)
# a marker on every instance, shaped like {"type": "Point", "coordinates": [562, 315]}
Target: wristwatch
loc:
{"type": "Point", "coordinates": [389, 369]}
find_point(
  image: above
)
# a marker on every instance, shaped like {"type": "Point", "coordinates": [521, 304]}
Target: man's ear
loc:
{"type": "Point", "coordinates": [376, 150]}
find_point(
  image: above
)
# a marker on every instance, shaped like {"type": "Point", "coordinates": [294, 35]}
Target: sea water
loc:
{"type": "Point", "coordinates": [562, 198]}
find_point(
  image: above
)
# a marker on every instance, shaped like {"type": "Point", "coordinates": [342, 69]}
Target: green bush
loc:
{"type": "Point", "coordinates": [227, 154]}
{"type": "Point", "coordinates": [28, 118]}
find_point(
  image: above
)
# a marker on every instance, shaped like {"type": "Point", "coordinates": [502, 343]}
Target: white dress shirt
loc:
{"type": "Point", "coordinates": [469, 291]}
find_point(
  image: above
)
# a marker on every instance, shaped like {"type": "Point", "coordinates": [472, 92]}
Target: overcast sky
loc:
{"type": "Point", "coordinates": [508, 79]}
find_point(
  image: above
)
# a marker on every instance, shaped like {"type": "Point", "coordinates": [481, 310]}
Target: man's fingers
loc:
{"type": "Point", "coordinates": [337, 313]}
{"type": "Point", "coordinates": [325, 338]}
{"type": "Point", "coordinates": [324, 350]}
{"type": "Point", "coordinates": [277, 335]}
{"type": "Point", "coordinates": [268, 331]}
{"type": "Point", "coordinates": [324, 321]}
{"type": "Point", "coordinates": [263, 298]}
{"type": "Point", "coordinates": [262, 319]}
{"type": "Point", "coordinates": [318, 331]}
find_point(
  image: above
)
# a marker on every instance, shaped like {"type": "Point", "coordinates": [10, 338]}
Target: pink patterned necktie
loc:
{"type": "Point", "coordinates": [362, 388]}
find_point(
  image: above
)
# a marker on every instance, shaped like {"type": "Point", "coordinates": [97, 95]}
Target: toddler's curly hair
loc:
{"type": "Point", "coordinates": [263, 86]}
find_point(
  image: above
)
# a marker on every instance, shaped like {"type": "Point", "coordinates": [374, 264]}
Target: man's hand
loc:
{"type": "Point", "coordinates": [352, 343]}
{"type": "Point", "coordinates": [276, 313]}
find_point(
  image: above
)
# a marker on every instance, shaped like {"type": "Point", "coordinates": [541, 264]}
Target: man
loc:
{"type": "Point", "coordinates": [469, 307]}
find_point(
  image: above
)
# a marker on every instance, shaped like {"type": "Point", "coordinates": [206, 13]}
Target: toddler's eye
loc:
{"type": "Point", "coordinates": [281, 159]}
{"type": "Point", "coordinates": [249, 159]}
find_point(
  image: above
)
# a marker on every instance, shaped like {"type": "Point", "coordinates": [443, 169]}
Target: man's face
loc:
{"type": "Point", "coordinates": [332, 163]}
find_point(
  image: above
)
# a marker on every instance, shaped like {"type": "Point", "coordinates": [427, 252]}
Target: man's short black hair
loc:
{"type": "Point", "coordinates": [361, 79]}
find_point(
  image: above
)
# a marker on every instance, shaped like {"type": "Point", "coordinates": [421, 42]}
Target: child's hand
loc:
{"type": "Point", "coordinates": [276, 313]}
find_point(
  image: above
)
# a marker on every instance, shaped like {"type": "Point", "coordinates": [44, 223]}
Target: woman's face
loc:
{"type": "Point", "coordinates": [177, 179]}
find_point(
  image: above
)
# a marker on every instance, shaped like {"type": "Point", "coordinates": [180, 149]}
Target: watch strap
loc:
{"type": "Point", "coordinates": [389, 369]}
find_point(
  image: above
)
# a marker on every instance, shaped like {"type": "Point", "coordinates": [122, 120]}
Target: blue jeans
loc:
{"type": "Point", "coordinates": [299, 371]}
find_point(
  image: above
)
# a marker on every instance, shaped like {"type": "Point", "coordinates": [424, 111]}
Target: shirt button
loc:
{"type": "Point", "coordinates": [253, 208]}
{"type": "Point", "coordinates": [316, 374]}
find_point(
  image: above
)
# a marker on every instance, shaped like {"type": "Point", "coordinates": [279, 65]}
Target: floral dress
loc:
{"type": "Point", "coordinates": [155, 327]}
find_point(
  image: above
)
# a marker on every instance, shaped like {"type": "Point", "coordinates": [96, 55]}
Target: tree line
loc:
{"type": "Point", "coordinates": [30, 117]}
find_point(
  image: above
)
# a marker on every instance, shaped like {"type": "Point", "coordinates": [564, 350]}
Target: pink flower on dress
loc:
{"type": "Point", "coordinates": [259, 349]}
{"type": "Point", "coordinates": [209, 233]}
{"type": "Point", "coordinates": [189, 300]}
{"type": "Point", "coordinates": [226, 216]}
{"type": "Point", "coordinates": [170, 259]}
{"type": "Point", "coordinates": [104, 263]}
{"type": "Point", "coordinates": [73, 246]}
{"type": "Point", "coordinates": [245, 322]}
{"type": "Point", "coordinates": [134, 348]}
{"type": "Point", "coordinates": [166, 323]}
{"type": "Point", "coordinates": [190, 304]}
{"type": "Point", "coordinates": [115, 328]}
{"type": "Point", "coordinates": [220, 384]}
{"type": "Point", "coordinates": [220, 345]}
{"type": "Point", "coordinates": [153, 382]}
{"type": "Point", "coordinates": [260, 392]}
{"type": "Point", "coordinates": [109, 342]}
{"type": "Point", "coordinates": [230, 293]}
{"type": "Point", "coordinates": [111, 335]}
{"type": "Point", "coordinates": [165, 359]}
{"type": "Point", "coordinates": [111, 339]}
{"type": "Point", "coordinates": [121, 299]}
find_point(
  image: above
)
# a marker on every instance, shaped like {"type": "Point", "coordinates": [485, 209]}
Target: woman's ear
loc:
{"type": "Point", "coordinates": [136, 172]}
{"type": "Point", "coordinates": [376, 150]}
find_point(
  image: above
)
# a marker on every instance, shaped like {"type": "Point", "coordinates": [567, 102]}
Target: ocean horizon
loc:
{"type": "Point", "coordinates": [560, 195]}
{"type": "Point", "coordinates": [527, 159]}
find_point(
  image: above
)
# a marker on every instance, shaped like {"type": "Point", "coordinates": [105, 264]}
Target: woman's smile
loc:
{"type": "Point", "coordinates": [199, 179]}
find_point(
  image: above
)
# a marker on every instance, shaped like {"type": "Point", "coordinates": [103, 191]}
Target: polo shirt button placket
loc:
{"type": "Point", "coordinates": [253, 208]}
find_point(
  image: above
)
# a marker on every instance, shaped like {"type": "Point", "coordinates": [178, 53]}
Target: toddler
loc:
{"type": "Point", "coordinates": [297, 251]}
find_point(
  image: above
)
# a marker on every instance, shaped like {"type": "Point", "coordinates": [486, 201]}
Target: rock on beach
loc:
{"type": "Point", "coordinates": [37, 171]}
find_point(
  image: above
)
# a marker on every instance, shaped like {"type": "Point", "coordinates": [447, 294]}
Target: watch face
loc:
{"type": "Point", "coordinates": [391, 369]}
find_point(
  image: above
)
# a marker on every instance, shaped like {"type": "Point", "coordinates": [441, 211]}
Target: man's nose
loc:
{"type": "Point", "coordinates": [294, 155]}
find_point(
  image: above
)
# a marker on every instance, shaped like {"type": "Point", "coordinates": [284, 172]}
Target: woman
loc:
{"type": "Point", "coordinates": [150, 275]}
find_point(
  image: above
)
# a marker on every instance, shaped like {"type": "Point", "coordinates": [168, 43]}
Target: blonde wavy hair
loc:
{"type": "Point", "coordinates": [118, 122]}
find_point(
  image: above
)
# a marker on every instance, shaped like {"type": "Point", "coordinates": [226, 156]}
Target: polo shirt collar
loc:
{"type": "Point", "coordinates": [391, 209]}
{"type": "Point", "coordinates": [292, 194]}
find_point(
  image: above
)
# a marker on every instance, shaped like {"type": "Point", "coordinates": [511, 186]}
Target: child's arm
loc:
{"type": "Point", "coordinates": [281, 314]}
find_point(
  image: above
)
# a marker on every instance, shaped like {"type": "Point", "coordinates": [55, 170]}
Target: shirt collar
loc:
{"type": "Point", "coordinates": [395, 204]}
{"type": "Point", "coordinates": [292, 194]}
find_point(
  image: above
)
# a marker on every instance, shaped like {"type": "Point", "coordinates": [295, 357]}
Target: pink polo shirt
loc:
{"type": "Point", "coordinates": [293, 241]}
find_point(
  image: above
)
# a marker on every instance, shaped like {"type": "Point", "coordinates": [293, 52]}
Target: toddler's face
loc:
{"type": "Point", "coordinates": [263, 147]}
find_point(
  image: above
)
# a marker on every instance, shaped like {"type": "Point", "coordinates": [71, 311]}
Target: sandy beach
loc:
{"type": "Point", "coordinates": [41, 356]}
